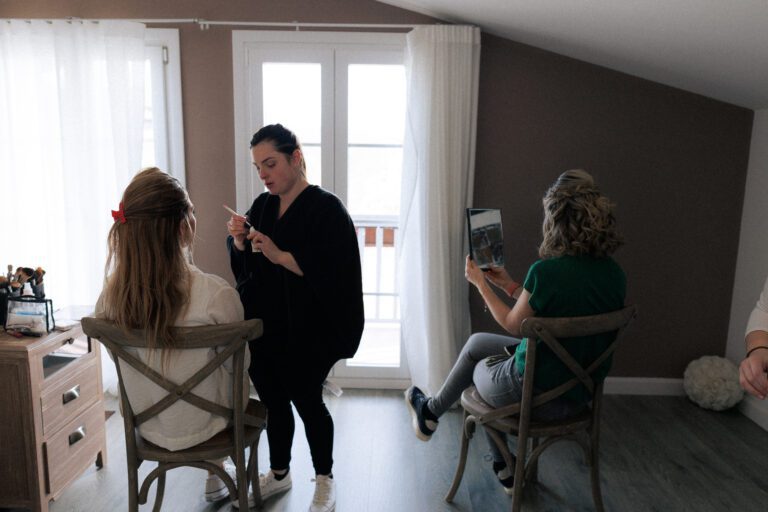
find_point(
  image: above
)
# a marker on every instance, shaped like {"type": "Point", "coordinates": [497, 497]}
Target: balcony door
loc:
{"type": "Point", "coordinates": [343, 94]}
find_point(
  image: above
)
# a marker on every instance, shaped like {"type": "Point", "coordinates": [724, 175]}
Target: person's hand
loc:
{"type": "Point", "coordinates": [499, 277]}
{"type": "Point", "coordinates": [473, 273]}
{"type": "Point", "coordinates": [263, 244]}
{"type": "Point", "coordinates": [236, 228]}
{"type": "Point", "coordinates": [752, 373]}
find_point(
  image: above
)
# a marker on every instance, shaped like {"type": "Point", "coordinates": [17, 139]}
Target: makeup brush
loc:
{"type": "Point", "coordinates": [233, 212]}
{"type": "Point", "coordinates": [245, 224]}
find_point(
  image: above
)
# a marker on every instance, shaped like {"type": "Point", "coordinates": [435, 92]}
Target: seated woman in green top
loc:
{"type": "Point", "coordinates": [575, 276]}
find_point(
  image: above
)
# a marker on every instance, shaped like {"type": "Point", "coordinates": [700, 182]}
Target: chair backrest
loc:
{"type": "Point", "coordinates": [551, 330]}
{"type": "Point", "coordinates": [231, 338]}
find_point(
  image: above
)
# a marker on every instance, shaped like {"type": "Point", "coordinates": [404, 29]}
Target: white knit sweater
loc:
{"type": "Point", "coordinates": [212, 301]}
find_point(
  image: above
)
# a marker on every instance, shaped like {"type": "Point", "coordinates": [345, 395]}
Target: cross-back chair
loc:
{"type": "Point", "coordinates": [515, 419]}
{"type": "Point", "coordinates": [244, 428]}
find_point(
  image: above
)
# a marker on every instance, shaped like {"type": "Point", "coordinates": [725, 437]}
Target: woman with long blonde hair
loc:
{"type": "Point", "coordinates": [152, 285]}
{"type": "Point", "coordinates": [576, 276]}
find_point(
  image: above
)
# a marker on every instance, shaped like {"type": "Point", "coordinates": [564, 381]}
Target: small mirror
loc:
{"type": "Point", "coordinates": [486, 241]}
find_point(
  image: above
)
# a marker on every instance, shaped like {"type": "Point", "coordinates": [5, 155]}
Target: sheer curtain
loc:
{"type": "Point", "coordinates": [71, 114]}
{"type": "Point", "coordinates": [442, 67]}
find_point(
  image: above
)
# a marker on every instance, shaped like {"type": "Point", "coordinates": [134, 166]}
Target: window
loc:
{"type": "Point", "coordinates": [81, 90]}
{"type": "Point", "coordinates": [344, 96]}
{"type": "Point", "coordinates": [163, 144]}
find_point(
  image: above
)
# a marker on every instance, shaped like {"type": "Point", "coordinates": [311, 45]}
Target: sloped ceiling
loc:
{"type": "Point", "coordinates": [717, 48]}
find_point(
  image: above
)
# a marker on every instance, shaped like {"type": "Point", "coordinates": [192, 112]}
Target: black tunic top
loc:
{"type": "Point", "coordinates": [319, 314]}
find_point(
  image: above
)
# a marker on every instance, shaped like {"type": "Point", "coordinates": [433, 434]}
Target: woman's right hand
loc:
{"type": "Point", "coordinates": [752, 373]}
{"type": "Point", "coordinates": [473, 273]}
{"type": "Point", "coordinates": [236, 227]}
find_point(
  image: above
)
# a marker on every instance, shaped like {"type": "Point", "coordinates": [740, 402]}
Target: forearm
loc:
{"type": "Point", "coordinates": [499, 310]}
{"type": "Point", "coordinates": [238, 244]}
{"type": "Point", "coordinates": [756, 339]}
{"type": "Point", "coordinates": [287, 260]}
{"type": "Point", "coordinates": [753, 368]}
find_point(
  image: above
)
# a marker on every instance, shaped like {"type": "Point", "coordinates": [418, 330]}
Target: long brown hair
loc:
{"type": "Point", "coordinates": [147, 274]}
{"type": "Point", "coordinates": [578, 218]}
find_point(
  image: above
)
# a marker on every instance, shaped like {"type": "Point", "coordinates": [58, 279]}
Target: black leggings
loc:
{"type": "Point", "coordinates": [282, 380]}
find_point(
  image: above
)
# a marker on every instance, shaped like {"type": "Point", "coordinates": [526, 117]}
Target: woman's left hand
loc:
{"type": "Point", "coordinates": [263, 244]}
{"type": "Point", "coordinates": [473, 273]}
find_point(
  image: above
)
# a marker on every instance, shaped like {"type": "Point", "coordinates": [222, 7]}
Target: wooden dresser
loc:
{"type": "Point", "coordinates": [51, 415]}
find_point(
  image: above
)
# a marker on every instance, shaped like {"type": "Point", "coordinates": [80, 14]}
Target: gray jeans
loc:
{"type": "Point", "coordinates": [498, 384]}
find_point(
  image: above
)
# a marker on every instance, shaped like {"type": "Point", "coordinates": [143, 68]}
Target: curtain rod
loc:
{"type": "Point", "coordinates": [205, 24]}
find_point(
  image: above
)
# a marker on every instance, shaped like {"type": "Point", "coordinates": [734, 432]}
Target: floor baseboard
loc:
{"type": "Point", "coordinates": [643, 386]}
{"type": "Point", "coordinates": [613, 385]}
{"type": "Point", "coordinates": [756, 410]}
{"type": "Point", "coordinates": [353, 383]}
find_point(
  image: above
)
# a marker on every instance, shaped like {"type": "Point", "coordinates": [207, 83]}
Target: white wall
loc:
{"type": "Point", "coordinates": [752, 261]}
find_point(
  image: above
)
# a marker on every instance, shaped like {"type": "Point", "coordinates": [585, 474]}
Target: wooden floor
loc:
{"type": "Point", "coordinates": [658, 454]}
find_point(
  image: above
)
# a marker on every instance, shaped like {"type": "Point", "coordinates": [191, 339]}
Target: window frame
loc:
{"type": "Point", "coordinates": [343, 47]}
{"type": "Point", "coordinates": [168, 40]}
{"type": "Point", "coordinates": [248, 115]}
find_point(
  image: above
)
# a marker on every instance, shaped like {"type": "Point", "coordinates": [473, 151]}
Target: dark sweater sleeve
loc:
{"type": "Point", "coordinates": [244, 270]}
{"type": "Point", "coordinates": [237, 259]}
{"type": "Point", "coordinates": [330, 261]}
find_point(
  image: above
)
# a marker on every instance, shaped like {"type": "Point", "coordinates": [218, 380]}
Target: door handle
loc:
{"type": "Point", "coordinates": [71, 394]}
{"type": "Point", "coordinates": [77, 435]}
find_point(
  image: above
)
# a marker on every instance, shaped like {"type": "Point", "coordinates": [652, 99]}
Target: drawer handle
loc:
{"type": "Point", "coordinates": [77, 435]}
{"type": "Point", "coordinates": [71, 394]}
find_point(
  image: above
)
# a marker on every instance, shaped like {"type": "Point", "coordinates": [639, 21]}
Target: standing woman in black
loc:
{"type": "Point", "coordinates": [298, 269]}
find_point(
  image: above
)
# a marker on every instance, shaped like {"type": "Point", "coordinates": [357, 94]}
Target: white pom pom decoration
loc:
{"type": "Point", "coordinates": [712, 382]}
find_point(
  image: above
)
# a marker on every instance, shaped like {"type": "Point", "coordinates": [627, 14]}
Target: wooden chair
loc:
{"type": "Point", "coordinates": [245, 429]}
{"type": "Point", "coordinates": [515, 419]}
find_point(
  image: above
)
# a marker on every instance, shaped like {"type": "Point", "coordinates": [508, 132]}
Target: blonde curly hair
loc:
{"type": "Point", "coordinates": [578, 218]}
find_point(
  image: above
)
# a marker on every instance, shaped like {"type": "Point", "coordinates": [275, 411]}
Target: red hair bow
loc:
{"type": "Point", "coordinates": [119, 215]}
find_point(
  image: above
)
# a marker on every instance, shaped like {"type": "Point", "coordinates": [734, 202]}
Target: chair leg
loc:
{"type": "Point", "coordinates": [253, 472]}
{"type": "Point", "coordinates": [462, 461]}
{"type": "Point", "coordinates": [242, 486]}
{"type": "Point", "coordinates": [522, 448]}
{"type": "Point", "coordinates": [594, 450]}
{"type": "Point", "coordinates": [594, 474]}
{"type": "Point", "coordinates": [133, 486]}
{"type": "Point", "coordinates": [101, 458]}
{"type": "Point", "coordinates": [241, 480]}
{"type": "Point", "coordinates": [160, 492]}
{"type": "Point", "coordinates": [534, 468]}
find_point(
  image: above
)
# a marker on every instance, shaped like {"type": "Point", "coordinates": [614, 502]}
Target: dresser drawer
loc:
{"type": "Point", "coordinates": [65, 354]}
{"type": "Point", "coordinates": [63, 401]}
{"type": "Point", "coordinates": [74, 447]}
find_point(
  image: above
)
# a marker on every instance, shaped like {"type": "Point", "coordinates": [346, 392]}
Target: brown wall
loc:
{"type": "Point", "coordinates": [674, 162]}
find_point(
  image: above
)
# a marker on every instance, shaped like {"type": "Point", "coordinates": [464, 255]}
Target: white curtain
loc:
{"type": "Point", "coordinates": [71, 115]}
{"type": "Point", "coordinates": [442, 67]}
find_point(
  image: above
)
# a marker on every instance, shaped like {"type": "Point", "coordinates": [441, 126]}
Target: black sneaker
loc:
{"type": "Point", "coordinates": [506, 476]}
{"type": "Point", "coordinates": [422, 426]}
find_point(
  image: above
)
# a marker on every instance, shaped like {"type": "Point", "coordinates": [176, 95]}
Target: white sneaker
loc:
{"type": "Point", "coordinates": [215, 488]}
{"type": "Point", "coordinates": [324, 499]}
{"type": "Point", "coordinates": [269, 486]}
